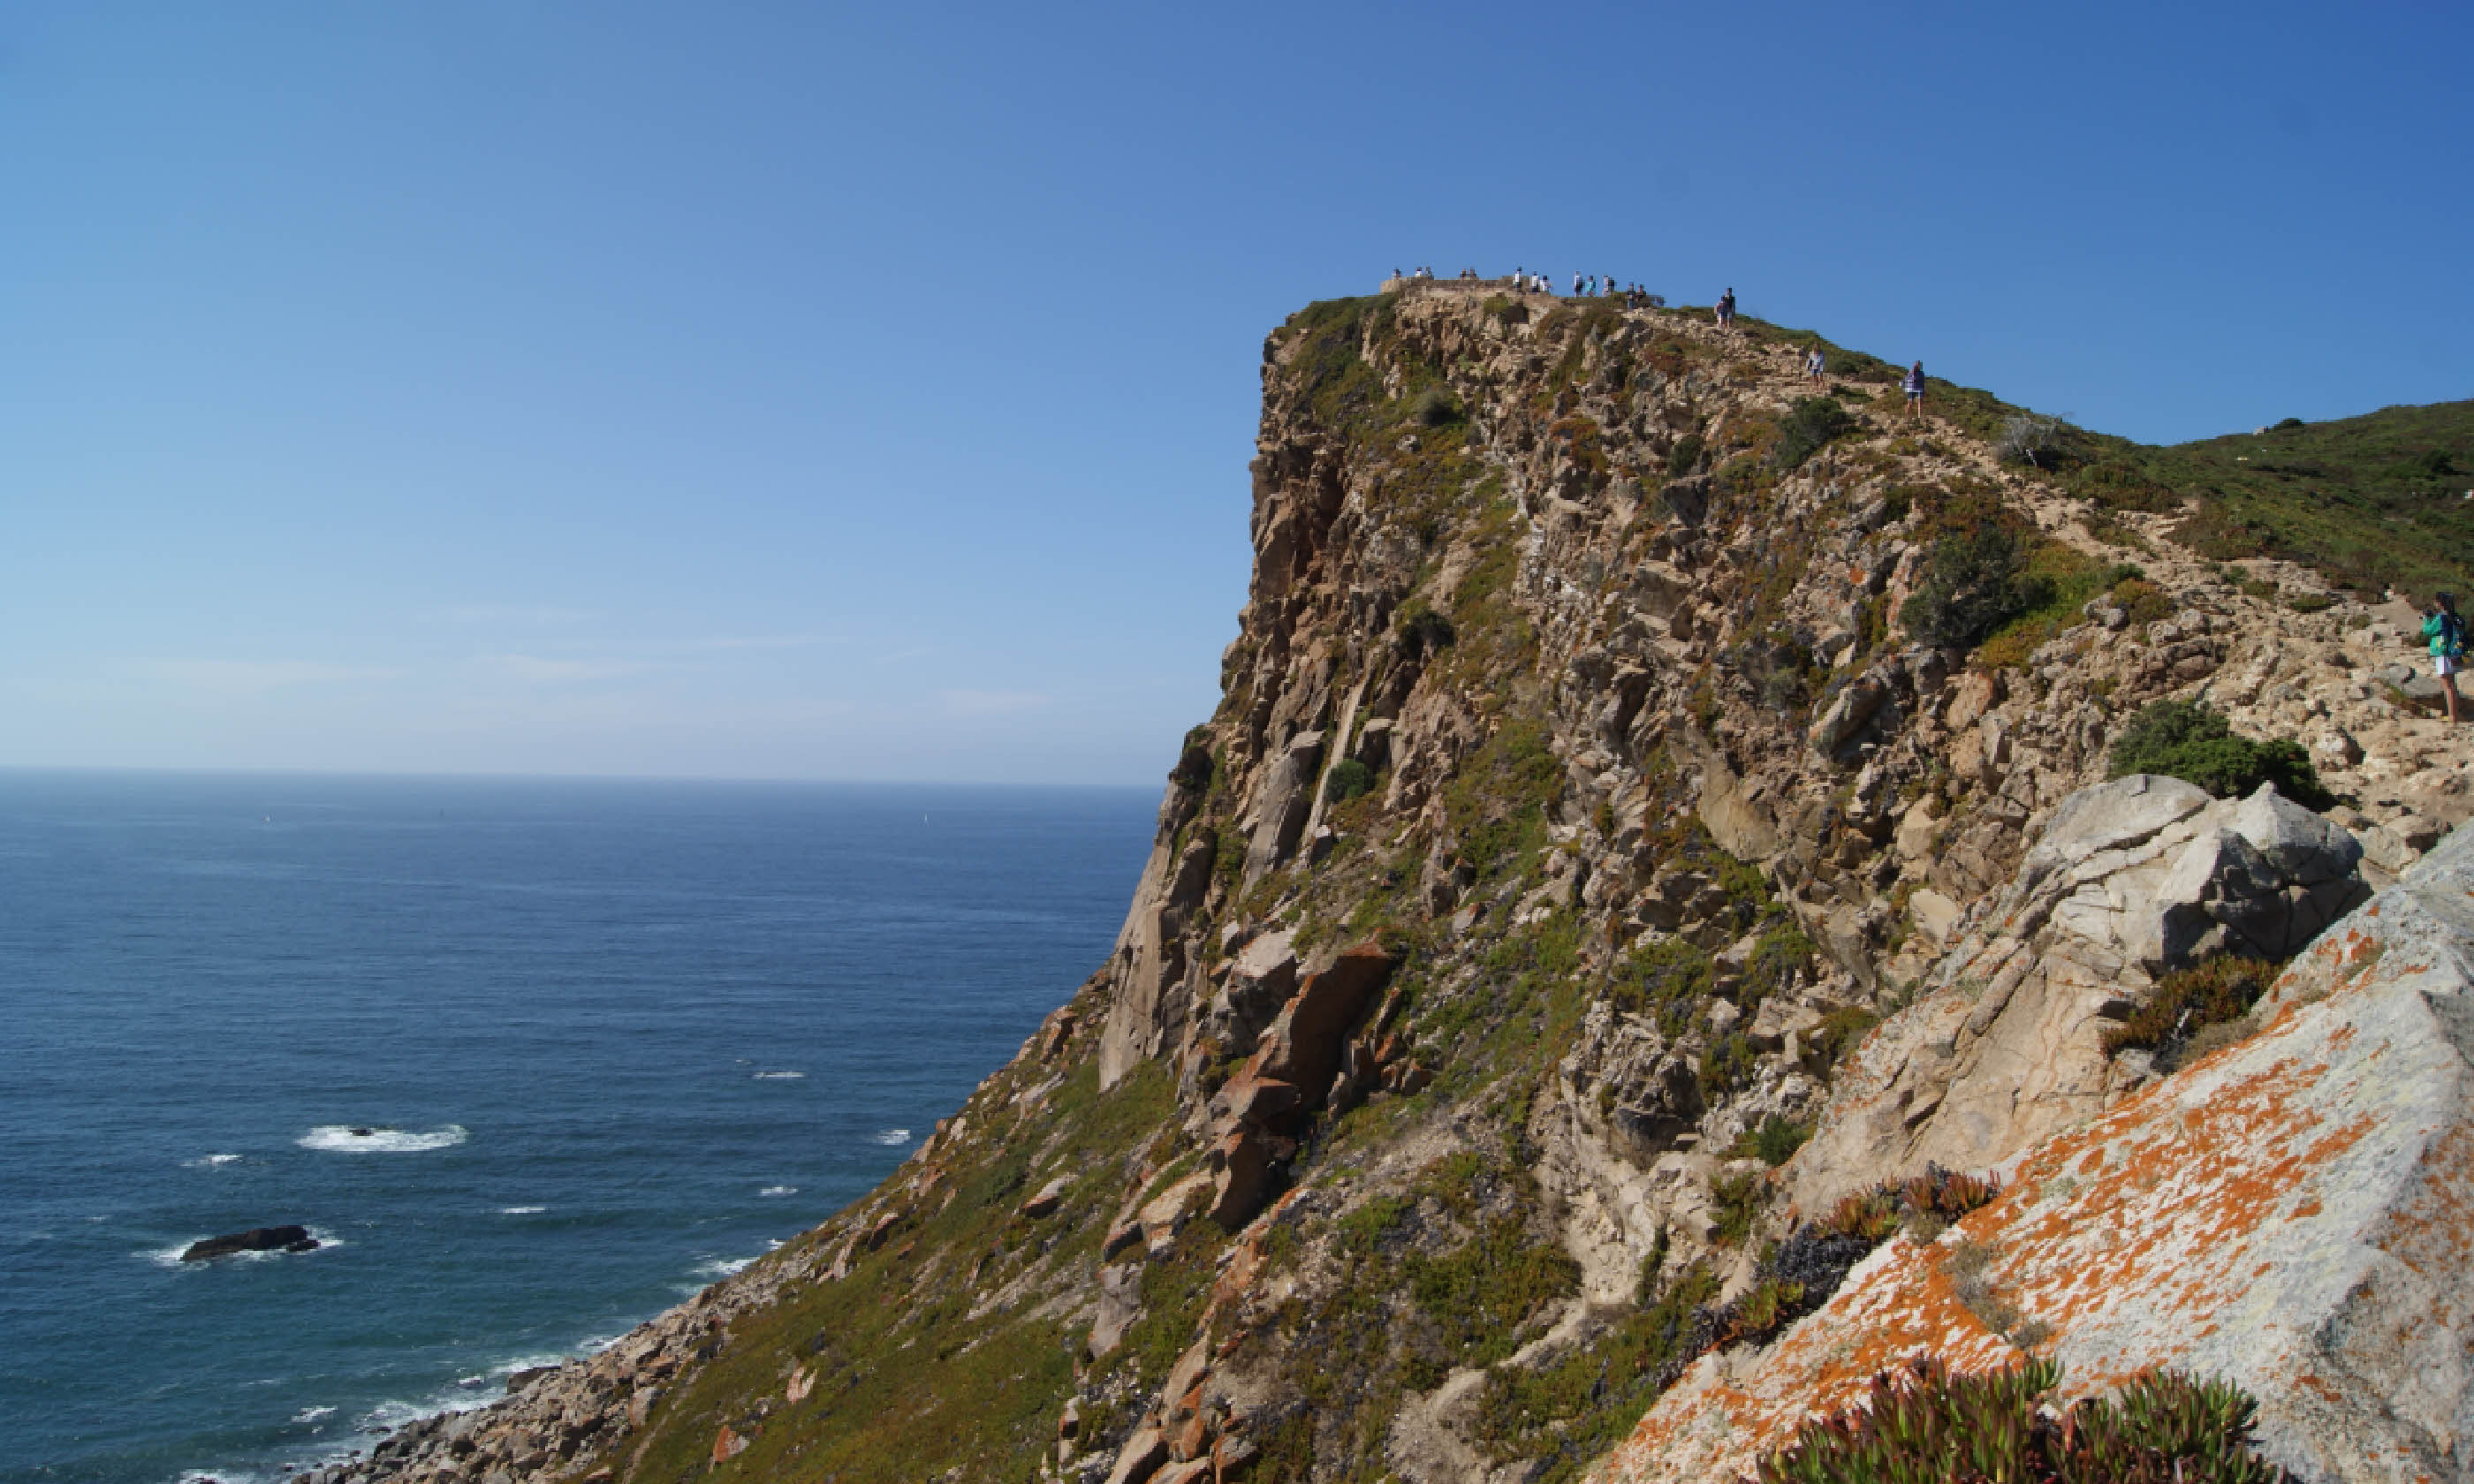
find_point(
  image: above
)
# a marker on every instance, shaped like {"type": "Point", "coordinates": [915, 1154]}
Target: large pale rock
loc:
{"type": "Point", "coordinates": [1847, 714]}
{"type": "Point", "coordinates": [1282, 804]}
{"type": "Point", "coordinates": [2295, 1213]}
{"type": "Point", "coordinates": [2130, 880]}
{"type": "Point", "coordinates": [1146, 970]}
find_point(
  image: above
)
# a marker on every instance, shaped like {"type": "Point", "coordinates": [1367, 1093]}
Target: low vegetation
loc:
{"type": "Point", "coordinates": [2174, 1022]}
{"type": "Point", "coordinates": [2193, 742]}
{"type": "Point", "coordinates": [1973, 585]}
{"type": "Point", "coordinates": [1809, 425]}
{"type": "Point", "coordinates": [1927, 1424]}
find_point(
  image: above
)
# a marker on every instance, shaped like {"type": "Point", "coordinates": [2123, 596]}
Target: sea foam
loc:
{"type": "Point", "coordinates": [779, 1190]}
{"type": "Point", "coordinates": [370, 1138]}
{"type": "Point", "coordinates": [890, 1137]}
{"type": "Point", "coordinates": [780, 1076]}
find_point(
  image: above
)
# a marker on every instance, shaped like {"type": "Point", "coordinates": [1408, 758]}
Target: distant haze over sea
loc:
{"type": "Point", "coordinates": [534, 1060]}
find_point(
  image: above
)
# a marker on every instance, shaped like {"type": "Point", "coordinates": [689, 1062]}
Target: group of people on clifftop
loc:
{"type": "Point", "coordinates": [1634, 297]}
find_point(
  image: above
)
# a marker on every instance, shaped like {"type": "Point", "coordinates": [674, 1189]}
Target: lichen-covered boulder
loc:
{"type": "Point", "coordinates": [2130, 880]}
{"type": "Point", "coordinates": [2294, 1213]}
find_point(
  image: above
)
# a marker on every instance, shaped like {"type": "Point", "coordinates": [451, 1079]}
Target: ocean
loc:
{"type": "Point", "coordinates": [533, 1060]}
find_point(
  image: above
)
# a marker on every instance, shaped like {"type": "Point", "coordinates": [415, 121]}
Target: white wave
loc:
{"type": "Point", "coordinates": [779, 1190]}
{"type": "Point", "coordinates": [780, 1076]}
{"type": "Point", "coordinates": [890, 1137]}
{"type": "Point", "coordinates": [218, 1477]}
{"type": "Point", "coordinates": [372, 1138]}
{"type": "Point", "coordinates": [470, 1381]}
{"type": "Point", "coordinates": [312, 1414]}
{"type": "Point", "coordinates": [521, 1210]}
{"type": "Point", "coordinates": [531, 1362]}
{"type": "Point", "coordinates": [210, 1161]}
{"type": "Point", "coordinates": [720, 1267]}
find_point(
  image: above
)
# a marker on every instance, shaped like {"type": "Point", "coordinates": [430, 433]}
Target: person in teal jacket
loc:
{"type": "Point", "coordinates": [2446, 633]}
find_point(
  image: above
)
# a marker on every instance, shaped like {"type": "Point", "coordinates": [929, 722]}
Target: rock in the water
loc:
{"type": "Point", "coordinates": [2292, 1214]}
{"type": "Point", "coordinates": [255, 1239]}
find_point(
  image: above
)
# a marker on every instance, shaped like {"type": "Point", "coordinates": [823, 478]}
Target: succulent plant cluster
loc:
{"type": "Point", "coordinates": [1928, 1427]}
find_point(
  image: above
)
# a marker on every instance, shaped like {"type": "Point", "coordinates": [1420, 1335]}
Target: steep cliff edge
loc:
{"type": "Point", "coordinates": [1577, 803]}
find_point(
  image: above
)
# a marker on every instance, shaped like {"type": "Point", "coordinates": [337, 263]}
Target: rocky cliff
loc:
{"type": "Point", "coordinates": [1584, 884]}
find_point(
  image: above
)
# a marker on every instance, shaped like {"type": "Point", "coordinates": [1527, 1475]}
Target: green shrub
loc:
{"type": "Point", "coordinates": [1928, 1424]}
{"type": "Point", "coordinates": [1778, 955]}
{"type": "Point", "coordinates": [1773, 1142]}
{"type": "Point", "coordinates": [1808, 425]}
{"type": "Point", "coordinates": [1424, 631]}
{"type": "Point", "coordinates": [1434, 408]}
{"type": "Point", "coordinates": [1840, 1032]}
{"type": "Point", "coordinates": [1686, 455]}
{"type": "Point", "coordinates": [1666, 978]}
{"type": "Point", "coordinates": [1736, 1201]}
{"type": "Point", "coordinates": [1973, 585]}
{"type": "Point", "coordinates": [2191, 741]}
{"type": "Point", "coordinates": [1349, 779]}
{"type": "Point", "coordinates": [2219, 991]}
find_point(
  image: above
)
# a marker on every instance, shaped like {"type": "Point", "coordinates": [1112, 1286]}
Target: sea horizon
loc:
{"type": "Point", "coordinates": [610, 1039]}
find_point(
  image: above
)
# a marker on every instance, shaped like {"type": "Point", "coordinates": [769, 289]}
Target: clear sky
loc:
{"type": "Point", "coordinates": [801, 390]}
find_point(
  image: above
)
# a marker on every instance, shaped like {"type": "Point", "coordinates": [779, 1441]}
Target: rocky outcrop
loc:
{"type": "Point", "coordinates": [255, 1239]}
{"type": "Point", "coordinates": [1287, 1078]}
{"type": "Point", "coordinates": [2295, 1213]}
{"type": "Point", "coordinates": [1563, 680]}
{"type": "Point", "coordinates": [2130, 880]}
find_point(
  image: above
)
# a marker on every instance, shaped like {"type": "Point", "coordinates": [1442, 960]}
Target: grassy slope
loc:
{"type": "Point", "coordinates": [2369, 502]}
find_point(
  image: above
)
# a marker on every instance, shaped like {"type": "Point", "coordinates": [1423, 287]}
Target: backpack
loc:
{"type": "Point", "coordinates": [2450, 635]}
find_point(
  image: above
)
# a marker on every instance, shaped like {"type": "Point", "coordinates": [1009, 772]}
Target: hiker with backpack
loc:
{"type": "Point", "coordinates": [1914, 387]}
{"type": "Point", "coordinates": [2446, 633]}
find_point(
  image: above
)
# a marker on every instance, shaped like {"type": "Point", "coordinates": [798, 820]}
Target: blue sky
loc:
{"type": "Point", "coordinates": [806, 391]}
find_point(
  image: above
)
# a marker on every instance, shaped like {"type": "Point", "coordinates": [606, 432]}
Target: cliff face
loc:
{"type": "Point", "coordinates": [1575, 807]}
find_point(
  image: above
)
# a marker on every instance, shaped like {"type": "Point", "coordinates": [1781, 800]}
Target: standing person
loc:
{"type": "Point", "coordinates": [2446, 633]}
{"type": "Point", "coordinates": [1812, 363]}
{"type": "Point", "coordinates": [1727, 310]}
{"type": "Point", "coordinates": [1914, 387]}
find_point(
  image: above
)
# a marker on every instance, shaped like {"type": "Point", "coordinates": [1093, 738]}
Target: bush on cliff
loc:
{"type": "Point", "coordinates": [1434, 408]}
{"type": "Point", "coordinates": [2193, 742]}
{"type": "Point", "coordinates": [1928, 1424]}
{"type": "Point", "coordinates": [1973, 585]}
{"type": "Point", "coordinates": [1349, 779]}
{"type": "Point", "coordinates": [2217, 993]}
{"type": "Point", "coordinates": [1808, 425]}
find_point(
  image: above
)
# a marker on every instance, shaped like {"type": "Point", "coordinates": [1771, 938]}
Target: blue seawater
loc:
{"type": "Point", "coordinates": [611, 1039]}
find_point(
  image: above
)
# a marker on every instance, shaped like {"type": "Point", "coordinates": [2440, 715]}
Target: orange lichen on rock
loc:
{"type": "Point", "coordinates": [2295, 1212]}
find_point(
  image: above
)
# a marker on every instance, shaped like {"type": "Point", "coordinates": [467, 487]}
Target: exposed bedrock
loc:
{"type": "Point", "coordinates": [2295, 1213]}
